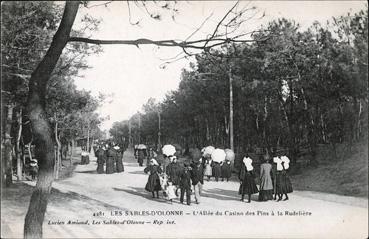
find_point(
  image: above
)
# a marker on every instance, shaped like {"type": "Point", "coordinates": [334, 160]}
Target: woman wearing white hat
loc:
{"type": "Point", "coordinates": [153, 182]}
{"type": "Point", "coordinates": [248, 185]}
{"type": "Point", "coordinates": [283, 183]}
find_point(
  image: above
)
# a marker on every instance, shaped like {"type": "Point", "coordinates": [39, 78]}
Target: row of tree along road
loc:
{"type": "Point", "coordinates": [292, 88]}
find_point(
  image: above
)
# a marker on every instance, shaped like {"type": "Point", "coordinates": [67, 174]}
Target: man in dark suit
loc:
{"type": "Point", "coordinates": [197, 177]}
{"type": "Point", "coordinates": [185, 184]}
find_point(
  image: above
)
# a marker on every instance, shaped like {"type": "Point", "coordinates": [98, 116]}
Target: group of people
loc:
{"type": "Point", "coordinates": [189, 177]}
{"type": "Point", "coordinates": [174, 177]}
{"type": "Point", "coordinates": [274, 179]}
{"type": "Point", "coordinates": [142, 153]}
{"type": "Point", "coordinates": [217, 170]}
{"type": "Point", "coordinates": [111, 156]}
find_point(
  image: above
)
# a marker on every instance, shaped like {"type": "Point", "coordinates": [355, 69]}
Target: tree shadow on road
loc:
{"type": "Point", "coordinates": [141, 192]}
{"type": "Point", "coordinates": [138, 172]}
{"type": "Point", "coordinates": [91, 202]}
{"type": "Point", "coordinates": [16, 199]}
{"type": "Point", "coordinates": [226, 195]}
{"type": "Point", "coordinates": [89, 171]}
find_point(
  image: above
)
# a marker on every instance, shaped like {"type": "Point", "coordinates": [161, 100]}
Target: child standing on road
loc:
{"type": "Point", "coordinates": [171, 191]}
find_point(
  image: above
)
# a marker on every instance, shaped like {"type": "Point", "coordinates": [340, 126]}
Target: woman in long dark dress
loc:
{"type": "Point", "coordinates": [110, 159]}
{"type": "Point", "coordinates": [141, 155]}
{"type": "Point", "coordinates": [119, 160]}
{"type": "Point", "coordinates": [101, 157]}
{"type": "Point", "coordinates": [173, 170]}
{"type": "Point", "coordinates": [266, 183]}
{"type": "Point", "coordinates": [283, 182]}
{"type": "Point", "coordinates": [216, 171]}
{"type": "Point", "coordinates": [226, 170]}
{"type": "Point", "coordinates": [153, 182]}
{"type": "Point", "coordinates": [247, 178]}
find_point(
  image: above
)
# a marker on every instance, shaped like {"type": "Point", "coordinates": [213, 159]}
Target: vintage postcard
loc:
{"type": "Point", "coordinates": [184, 119]}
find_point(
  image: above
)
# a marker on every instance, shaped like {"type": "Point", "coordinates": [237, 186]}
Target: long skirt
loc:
{"type": "Point", "coordinates": [208, 170]}
{"type": "Point", "coordinates": [283, 184]}
{"type": "Point", "coordinates": [100, 168]}
{"type": "Point", "coordinates": [265, 195]}
{"type": "Point", "coordinates": [153, 183]}
{"type": "Point", "coordinates": [226, 171]}
{"type": "Point", "coordinates": [109, 165]}
{"type": "Point", "coordinates": [85, 159]}
{"type": "Point", "coordinates": [140, 160]}
{"type": "Point", "coordinates": [248, 186]}
{"type": "Point", "coordinates": [119, 165]}
{"type": "Point", "coordinates": [216, 170]}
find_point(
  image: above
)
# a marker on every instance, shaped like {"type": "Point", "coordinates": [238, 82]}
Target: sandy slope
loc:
{"type": "Point", "coordinates": [86, 192]}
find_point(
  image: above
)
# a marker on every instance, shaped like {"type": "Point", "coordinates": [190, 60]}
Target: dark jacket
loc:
{"type": "Point", "coordinates": [185, 179]}
{"type": "Point", "coordinates": [173, 170]}
{"type": "Point", "coordinates": [153, 182]}
{"type": "Point", "coordinates": [197, 174]}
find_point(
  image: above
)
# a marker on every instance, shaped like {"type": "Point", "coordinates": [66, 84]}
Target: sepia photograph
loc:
{"type": "Point", "coordinates": [184, 119]}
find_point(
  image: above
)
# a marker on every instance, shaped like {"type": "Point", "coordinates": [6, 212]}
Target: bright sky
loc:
{"type": "Point", "coordinates": [134, 75]}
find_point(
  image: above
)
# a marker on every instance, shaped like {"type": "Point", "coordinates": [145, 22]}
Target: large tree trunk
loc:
{"type": "Point", "coordinates": [58, 149]}
{"type": "Point", "coordinates": [71, 152]}
{"type": "Point", "coordinates": [88, 137]}
{"type": "Point", "coordinates": [6, 159]}
{"type": "Point", "coordinates": [40, 126]}
{"type": "Point", "coordinates": [17, 145]}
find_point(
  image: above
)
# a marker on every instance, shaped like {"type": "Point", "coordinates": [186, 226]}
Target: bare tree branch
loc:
{"type": "Point", "coordinates": [201, 25]}
{"type": "Point", "coordinates": [130, 16]}
{"type": "Point", "coordinates": [168, 43]}
{"type": "Point", "coordinates": [100, 4]}
{"type": "Point", "coordinates": [220, 22]}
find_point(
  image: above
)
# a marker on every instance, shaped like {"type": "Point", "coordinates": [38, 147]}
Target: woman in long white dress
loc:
{"type": "Point", "coordinates": [208, 169]}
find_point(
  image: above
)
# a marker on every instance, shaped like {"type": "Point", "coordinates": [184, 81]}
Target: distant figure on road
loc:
{"type": "Point", "coordinates": [266, 183]}
{"type": "Point", "coordinates": [101, 158]}
{"type": "Point", "coordinates": [226, 170]}
{"type": "Point", "coordinates": [110, 159]}
{"type": "Point", "coordinates": [118, 159]}
{"type": "Point", "coordinates": [33, 168]}
{"type": "Point", "coordinates": [85, 159]}
{"type": "Point", "coordinates": [153, 182]}
{"type": "Point", "coordinates": [247, 178]}
{"type": "Point", "coordinates": [141, 155]}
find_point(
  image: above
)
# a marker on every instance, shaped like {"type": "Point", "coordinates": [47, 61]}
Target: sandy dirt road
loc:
{"type": "Point", "coordinates": [117, 206]}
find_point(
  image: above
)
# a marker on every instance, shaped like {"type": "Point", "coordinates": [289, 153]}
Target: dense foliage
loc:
{"type": "Point", "coordinates": [294, 90]}
{"type": "Point", "coordinates": [27, 30]}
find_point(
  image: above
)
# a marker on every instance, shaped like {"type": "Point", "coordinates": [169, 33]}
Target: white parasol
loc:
{"type": "Point", "coordinates": [208, 151]}
{"type": "Point", "coordinates": [141, 146]}
{"type": "Point", "coordinates": [229, 154]}
{"type": "Point", "coordinates": [218, 155]}
{"type": "Point", "coordinates": [169, 150]}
